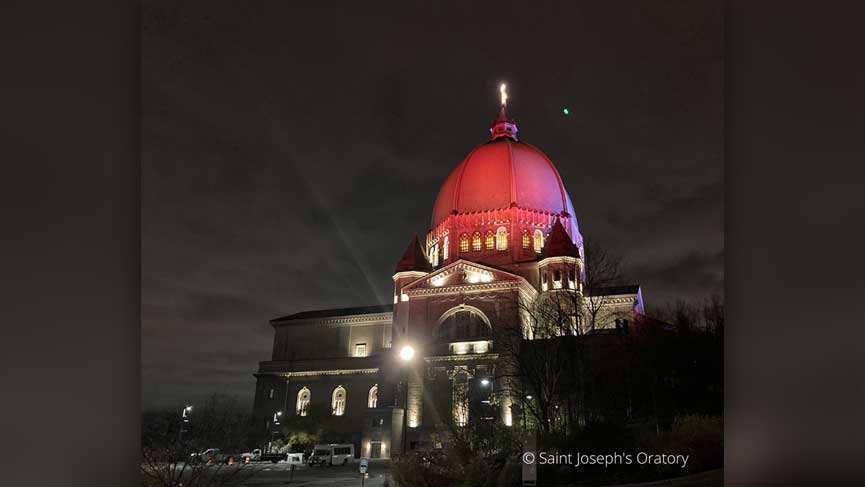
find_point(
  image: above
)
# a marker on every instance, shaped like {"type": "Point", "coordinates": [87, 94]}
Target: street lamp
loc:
{"type": "Point", "coordinates": [486, 383]}
{"type": "Point", "coordinates": [274, 430]}
{"type": "Point", "coordinates": [184, 417]}
{"type": "Point", "coordinates": [406, 354]}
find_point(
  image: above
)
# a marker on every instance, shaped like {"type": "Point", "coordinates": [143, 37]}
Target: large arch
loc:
{"type": "Point", "coordinates": [463, 323]}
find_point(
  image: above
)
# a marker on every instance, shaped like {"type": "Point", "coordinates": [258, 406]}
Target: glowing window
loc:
{"type": "Point", "coordinates": [302, 402]}
{"type": "Point", "coordinates": [445, 248]}
{"type": "Point", "coordinates": [464, 242]}
{"type": "Point", "coordinates": [502, 239]}
{"type": "Point", "coordinates": [372, 400]}
{"type": "Point", "coordinates": [539, 241]}
{"type": "Point", "coordinates": [360, 349]}
{"type": "Point", "coordinates": [337, 402]}
{"type": "Point", "coordinates": [490, 240]}
{"type": "Point", "coordinates": [527, 240]}
{"type": "Point", "coordinates": [476, 241]}
{"type": "Point", "coordinates": [557, 279]}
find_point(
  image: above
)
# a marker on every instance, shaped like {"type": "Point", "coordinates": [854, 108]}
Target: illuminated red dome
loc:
{"type": "Point", "coordinates": [498, 206]}
{"type": "Point", "coordinates": [504, 173]}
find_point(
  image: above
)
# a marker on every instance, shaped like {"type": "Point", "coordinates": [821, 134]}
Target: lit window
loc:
{"type": "Point", "coordinates": [337, 402]}
{"type": "Point", "coordinates": [476, 241]}
{"type": "Point", "coordinates": [544, 284]}
{"type": "Point", "coordinates": [557, 279]}
{"type": "Point", "coordinates": [302, 402]}
{"type": "Point", "coordinates": [360, 350]}
{"type": "Point", "coordinates": [445, 248]}
{"type": "Point", "coordinates": [539, 241]}
{"type": "Point", "coordinates": [527, 240]}
{"type": "Point", "coordinates": [434, 255]}
{"type": "Point", "coordinates": [490, 240]}
{"type": "Point", "coordinates": [502, 238]}
{"type": "Point", "coordinates": [572, 279]}
{"type": "Point", "coordinates": [372, 400]}
{"type": "Point", "coordinates": [270, 396]}
{"type": "Point", "coordinates": [464, 242]}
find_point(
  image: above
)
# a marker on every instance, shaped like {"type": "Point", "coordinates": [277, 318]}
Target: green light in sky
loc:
{"type": "Point", "coordinates": [566, 111]}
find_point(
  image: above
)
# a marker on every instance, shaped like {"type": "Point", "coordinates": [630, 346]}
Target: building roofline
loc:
{"type": "Point", "coordinates": [333, 312]}
{"type": "Point", "coordinates": [612, 290]}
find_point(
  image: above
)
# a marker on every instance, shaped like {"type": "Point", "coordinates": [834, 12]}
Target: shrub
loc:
{"type": "Point", "coordinates": [702, 437]}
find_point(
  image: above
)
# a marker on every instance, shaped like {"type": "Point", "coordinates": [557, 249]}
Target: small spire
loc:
{"type": "Point", "coordinates": [413, 259]}
{"type": "Point", "coordinates": [559, 243]}
{"type": "Point", "coordinates": [503, 126]}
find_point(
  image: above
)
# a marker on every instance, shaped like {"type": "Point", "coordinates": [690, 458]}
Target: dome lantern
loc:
{"type": "Point", "coordinates": [503, 126]}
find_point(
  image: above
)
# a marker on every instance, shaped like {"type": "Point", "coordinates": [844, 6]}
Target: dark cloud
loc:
{"type": "Point", "coordinates": [290, 152]}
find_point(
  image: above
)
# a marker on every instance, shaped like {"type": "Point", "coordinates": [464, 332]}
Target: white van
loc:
{"type": "Point", "coordinates": [332, 454]}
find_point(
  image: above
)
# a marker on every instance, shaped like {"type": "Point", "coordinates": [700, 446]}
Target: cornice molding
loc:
{"type": "Point", "coordinates": [318, 373]}
{"type": "Point", "coordinates": [465, 288]}
{"type": "Point", "coordinates": [468, 357]}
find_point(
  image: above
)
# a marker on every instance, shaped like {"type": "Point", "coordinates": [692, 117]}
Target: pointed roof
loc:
{"type": "Point", "coordinates": [559, 243]}
{"type": "Point", "coordinates": [413, 259]}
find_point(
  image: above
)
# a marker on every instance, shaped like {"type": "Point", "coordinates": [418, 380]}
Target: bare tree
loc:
{"type": "Point", "coordinates": [547, 356]}
{"type": "Point", "coordinates": [168, 441]}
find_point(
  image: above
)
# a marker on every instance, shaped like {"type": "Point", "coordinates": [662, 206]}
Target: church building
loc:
{"type": "Point", "coordinates": [387, 377]}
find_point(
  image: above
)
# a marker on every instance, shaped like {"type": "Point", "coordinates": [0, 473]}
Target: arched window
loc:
{"type": "Point", "coordinates": [557, 279]}
{"type": "Point", "coordinates": [435, 255]}
{"type": "Point", "coordinates": [464, 242]}
{"type": "Point", "coordinates": [476, 241]}
{"type": "Point", "coordinates": [502, 238]}
{"type": "Point", "coordinates": [490, 240]}
{"type": "Point", "coordinates": [302, 406]}
{"type": "Point", "coordinates": [539, 241]}
{"type": "Point", "coordinates": [445, 248]}
{"type": "Point", "coordinates": [337, 403]}
{"type": "Point", "coordinates": [372, 400]}
{"type": "Point", "coordinates": [527, 240]}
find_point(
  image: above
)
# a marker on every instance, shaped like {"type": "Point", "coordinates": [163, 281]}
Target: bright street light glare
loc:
{"type": "Point", "coordinates": [485, 382]}
{"type": "Point", "coordinates": [406, 353]}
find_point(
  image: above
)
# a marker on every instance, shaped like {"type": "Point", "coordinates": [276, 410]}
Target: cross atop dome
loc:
{"type": "Point", "coordinates": [503, 126]}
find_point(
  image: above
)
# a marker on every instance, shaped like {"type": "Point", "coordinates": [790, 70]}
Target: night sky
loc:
{"type": "Point", "coordinates": [289, 153]}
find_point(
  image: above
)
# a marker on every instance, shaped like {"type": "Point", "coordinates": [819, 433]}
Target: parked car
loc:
{"type": "Point", "coordinates": [295, 458]}
{"type": "Point", "coordinates": [210, 455]}
{"type": "Point", "coordinates": [257, 455]}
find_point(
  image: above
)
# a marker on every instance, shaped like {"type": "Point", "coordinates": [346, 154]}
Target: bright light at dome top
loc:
{"type": "Point", "coordinates": [504, 94]}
